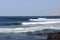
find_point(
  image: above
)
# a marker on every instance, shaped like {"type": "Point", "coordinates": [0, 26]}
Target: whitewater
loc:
{"type": "Point", "coordinates": [35, 26]}
{"type": "Point", "coordinates": [19, 27]}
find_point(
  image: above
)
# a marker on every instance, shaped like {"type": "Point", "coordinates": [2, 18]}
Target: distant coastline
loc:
{"type": "Point", "coordinates": [57, 14]}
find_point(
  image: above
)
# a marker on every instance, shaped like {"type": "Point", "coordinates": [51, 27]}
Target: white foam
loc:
{"type": "Point", "coordinates": [16, 30]}
{"type": "Point", "coordinates": [39, 19]}
{"type": "Point", "coordinates": [44, 19]}
{"type": "Point", "coordinates": [47, 22]}
{"type": "Point", "coordinates": [20, 30]}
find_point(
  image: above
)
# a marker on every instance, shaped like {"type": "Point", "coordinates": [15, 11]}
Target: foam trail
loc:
{"type": "Point", "coordinates": [48, 22]}
{"type": "Point", "coordinates": [20, 30]}
{"type": "Point", "coordinates": [17, 30]}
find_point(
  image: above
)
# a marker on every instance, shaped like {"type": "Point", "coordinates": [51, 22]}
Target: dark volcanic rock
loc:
{"type": "Point", "coordinates": [54, 36]}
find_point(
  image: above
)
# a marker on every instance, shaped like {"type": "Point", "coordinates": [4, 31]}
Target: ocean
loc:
{"type": "Point", "coordinates": [19, 27]}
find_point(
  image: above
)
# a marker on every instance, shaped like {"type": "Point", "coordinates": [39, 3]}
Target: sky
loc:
{"type": "Point", "coordinates": [29, 7]}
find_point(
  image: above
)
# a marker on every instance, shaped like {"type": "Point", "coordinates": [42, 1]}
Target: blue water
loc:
{"type": "Point", "coordinates": [15, 22]}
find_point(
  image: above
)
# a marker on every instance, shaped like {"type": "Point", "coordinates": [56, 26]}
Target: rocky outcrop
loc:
{"type": "Point", "coordinates": [54, 36]}
{"type": "Point", "coordinates": [50, 34]}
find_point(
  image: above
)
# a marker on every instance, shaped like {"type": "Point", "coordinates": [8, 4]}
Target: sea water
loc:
{"type": "Point", "coordinates": [11, 27]}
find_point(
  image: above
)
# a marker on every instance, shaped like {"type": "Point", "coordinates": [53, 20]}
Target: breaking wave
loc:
{"type": "Point", "coordinates": [28, 29]}
{"type": "Point", "coordinates": [44, 19]}
{"type": "Point", "coordinates": [46, 24]}
{"type": "Point", "coordinates": [41, 21]}
{"type": "Point", "coordinates": [49, 22]}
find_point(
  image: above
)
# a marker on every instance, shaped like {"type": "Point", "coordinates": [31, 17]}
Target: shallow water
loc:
{"type": "Point", "coordinates": [18, 36]}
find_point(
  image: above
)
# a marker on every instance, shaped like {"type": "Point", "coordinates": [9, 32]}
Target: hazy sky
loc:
{"type": "Point", "coordinates": [29, 7]}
